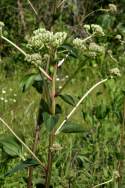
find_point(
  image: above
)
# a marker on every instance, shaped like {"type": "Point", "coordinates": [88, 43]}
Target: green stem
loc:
{"type": "Point", "coordinates": [52, 134]}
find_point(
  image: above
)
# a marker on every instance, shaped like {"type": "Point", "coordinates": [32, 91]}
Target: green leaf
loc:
{"type": "Point", "coordinates": [38, 83]}
{"type": "Point", "coordinates": [21, 166]}
{"type": "Point", "coordinates": [11, 146]}
{"type": "Point", "coordinates": [69, 48]}
{"type": "Point", "coordinates": [68, 99]}
{"type": "Point", "coordinates": [31, 79]}
{"type": "Point", "coordinates": [50, 121]}
{"type": "Point", "coordinates": [71, 127]}
{"type": "Point", "coordinates": [58, 109]}
{"type": "Point", "coordinates": [101, 111]}
{"type": "Point", "coordinates": [43, 107]}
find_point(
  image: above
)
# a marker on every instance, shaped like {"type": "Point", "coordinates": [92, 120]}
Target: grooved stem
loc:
{"type": "Point", "coordinates": [52, 134]}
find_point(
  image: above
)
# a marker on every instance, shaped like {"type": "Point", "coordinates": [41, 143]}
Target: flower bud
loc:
{"type": "Point", "coordinates": [34, 58]}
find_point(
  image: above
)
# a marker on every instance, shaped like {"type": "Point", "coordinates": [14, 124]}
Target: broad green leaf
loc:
{"type": "Point", "coordinates": [43, 107]}
{"type": "Point", "coordinates": [11, 146]}
{"type": "Point", "coordinates": [68, 99]}
{"type": "Point", "coordinates": [50, 121]}
{"type": "Point", "coordinates": [69, 48]}
{"type": "Point", "coordinates": [106, 21]}
{"type": "Point", "coordinates": [71, 127]}
{"type": "Point", "coordinates": [38, 83]}
{"type": "Point", "coordinates": [58, 109]}
{"type": "Point", "coordinates": [21, 166]}
{"type": "Point", "coordinates": [31, 79]}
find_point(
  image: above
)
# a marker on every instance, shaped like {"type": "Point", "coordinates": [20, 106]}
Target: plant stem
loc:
{"type": "Point", "coordinates": [35, 143]}
{"type": "Point", "coordinates": [33, 7]}
{"type": "Point", "coordinates": [79, 102]}
{"type": "Point", "coordinates": [104, 183]}
{"type": "Point", "coordinates": [52, 134]}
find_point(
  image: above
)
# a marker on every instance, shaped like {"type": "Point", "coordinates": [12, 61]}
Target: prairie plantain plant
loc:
{"type": "Point", "coordinates": [47, 52]}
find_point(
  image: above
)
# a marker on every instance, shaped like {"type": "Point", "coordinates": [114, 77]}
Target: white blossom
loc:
{"type": "Point", "coordinates": [115, 71]}
{"type": "Point", "coordinates": [87, 27]}
{"type": "Point", "coordinates": [97, 29]}
{"type": "Point", "coordinates": [43, 38]}
{"type": "Point", "coordinates": [79, 43]}
{"type": "Point", "coordinates": [96, 48]}
{"type": "Point", "coordinates": [112, 8]}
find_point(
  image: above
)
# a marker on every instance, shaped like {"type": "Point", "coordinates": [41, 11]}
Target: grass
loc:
{"type": "Point", "coordinates": [85, 159]}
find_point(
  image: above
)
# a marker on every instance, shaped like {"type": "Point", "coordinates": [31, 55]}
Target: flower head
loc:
{"type": "Point", "coordinates": [34, 58]}
{"type": "Point", "coordinates": [43, 38]}
{"type": "Point", "coordinates": [96, 48]}
{"type": "Point", "coordinates": [59, 38]}
{"type": "Point", "coordinates": [115, 71]}
{"type": "Point", "coordinates": [87, 27]}
{"type": "Point", "coordinates": [97, 29]}
{"type": "Point", "coordinates": [112, 8]}
{"type": "Point", "coordinates": [79, 43]}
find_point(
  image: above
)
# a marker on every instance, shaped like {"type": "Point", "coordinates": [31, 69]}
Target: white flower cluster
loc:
{"type": "Point", "coordinates": [87, 27]}
{"type": "Point", "coordinates": [34, 58]}
{"type": "Point", "coordinates": [79, 43]}
{"type": "Point", "coordinates": [43, 38]}
{"type": "Point", "coordinates": [112, 8]}
{"type": "Point", "coordinates": [115, 71]}
{"type": "Point", "coordinates": [59, 38]}
{"type": "Point", "coordinates": [118, 37]}
{"type": "Point", "coordinates": [97, 29]}
{"type": "Point", "coordinates": [96, 48]}
{"type": "Point", "coordinates": [91, 49]}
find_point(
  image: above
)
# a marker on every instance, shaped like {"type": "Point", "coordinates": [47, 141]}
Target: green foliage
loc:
{"type": "Point", "coordinates": [21, 166]}
{"type": "Point", "coordinates": [50, 121]}
{"type": "Point", "coordinates": [71, 127]}
{"type": "Point", "coordinates": [29, 80]}
{"type": "Point", "coordinates": [11, 146]}
{"type": "Point", "coordinates": [68, 99]}
{"type": "Point", "coordinates": [97, 51]}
